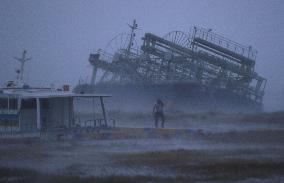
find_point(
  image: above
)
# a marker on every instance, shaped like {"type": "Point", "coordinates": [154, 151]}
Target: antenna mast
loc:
{"type": "Point", "coordinates": [133, 27]}
{"type": "Point", "coordinates": [22, 60]}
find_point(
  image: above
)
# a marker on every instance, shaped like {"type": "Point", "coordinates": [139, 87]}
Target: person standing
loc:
{"type": "Point", "coordinates": [158, 111]}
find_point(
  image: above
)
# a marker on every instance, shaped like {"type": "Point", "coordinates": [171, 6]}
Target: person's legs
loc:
{"type": "Point", "coordinates": [156, 116]}
{"type": "Point", "coordinates": [163, 119]}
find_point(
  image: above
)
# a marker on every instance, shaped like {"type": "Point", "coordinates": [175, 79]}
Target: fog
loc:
{"type": "Point", "coordinates": [59, 35]}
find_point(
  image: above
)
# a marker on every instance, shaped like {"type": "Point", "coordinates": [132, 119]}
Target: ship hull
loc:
{"type": "Point", "coordinates": [186, 97]}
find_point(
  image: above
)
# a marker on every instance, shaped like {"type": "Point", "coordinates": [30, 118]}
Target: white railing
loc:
{"type": "Point", "coordinates": [219, 40]}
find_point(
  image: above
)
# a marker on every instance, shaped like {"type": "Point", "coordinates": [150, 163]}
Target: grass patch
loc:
{"type": "Point", "coordinates": [16, 175]}
{"type": "Point", "coordinates": [204, 165]}
{"type": "Point", "coordinates": [273, 117]}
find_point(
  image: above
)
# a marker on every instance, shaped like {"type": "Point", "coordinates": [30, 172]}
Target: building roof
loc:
{"type": "Point", "coordinates": [42, 93]}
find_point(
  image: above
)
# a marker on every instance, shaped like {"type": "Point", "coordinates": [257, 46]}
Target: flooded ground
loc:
{"type": "Point", "coordinates": [229, 148]}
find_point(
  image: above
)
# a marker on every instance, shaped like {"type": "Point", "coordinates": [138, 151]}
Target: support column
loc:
{"type": "Point", "coordinates": [8, 104]}
{"type": "Point", "coordinates": [71, 112]}
{"type": "Point", "coordinates": [38, 122]}
{"type": "Point", "coordinates": [19, 112]}
{"type": "Point", "coordinates": [94, 112]}
{"type": "Point", "coordinates": [94, 75]}
{"type": "Point", "coordinates": [103, 108]}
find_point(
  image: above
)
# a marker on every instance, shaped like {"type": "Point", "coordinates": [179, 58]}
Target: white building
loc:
{"type": "Point", "coordinates": [41, 108]}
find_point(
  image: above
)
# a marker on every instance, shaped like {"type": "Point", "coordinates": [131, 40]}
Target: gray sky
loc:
{"type": "Point", "coordinates": [60, 34]}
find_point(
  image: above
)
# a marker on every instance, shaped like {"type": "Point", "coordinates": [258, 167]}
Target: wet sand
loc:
{"type": "Point", "coordinates": [244, 151]}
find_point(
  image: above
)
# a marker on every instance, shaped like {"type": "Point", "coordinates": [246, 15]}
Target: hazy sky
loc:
{"type": "Point", "coordinates": [60, 34]}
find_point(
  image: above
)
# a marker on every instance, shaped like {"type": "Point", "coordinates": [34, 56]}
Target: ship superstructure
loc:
{"type": "Point", "coordinates": [199, 57]}
{"type": "Point", "coordinates": [26, 109]}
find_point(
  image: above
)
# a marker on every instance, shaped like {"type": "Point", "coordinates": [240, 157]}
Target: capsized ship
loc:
{"type": "Point", "coordinates": [195, 71]}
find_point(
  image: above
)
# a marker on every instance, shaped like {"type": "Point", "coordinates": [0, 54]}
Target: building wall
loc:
{"type": "Point", "coordinates": [28, 119]}
{"type": "Point", "coordinates": [60, 112]}
{"type": "Point", "coordinates": [54, 112]}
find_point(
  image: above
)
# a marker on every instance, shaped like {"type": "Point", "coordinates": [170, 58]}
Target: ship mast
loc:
{"type": "Point", "coordinates": [133, 27]}
{"type": "Point", "coordinates": [22, 60]}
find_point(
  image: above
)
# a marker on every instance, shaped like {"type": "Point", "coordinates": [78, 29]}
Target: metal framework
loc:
{"type": "Point", "coordinates": [200, 56]}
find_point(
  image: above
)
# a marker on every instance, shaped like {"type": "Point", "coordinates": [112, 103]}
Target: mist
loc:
{"type": "Point", "coordinates": [60, 35]}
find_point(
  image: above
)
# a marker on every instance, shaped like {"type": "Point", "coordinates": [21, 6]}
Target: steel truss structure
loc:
{"type": "Point", "coordinates": [200, 56]}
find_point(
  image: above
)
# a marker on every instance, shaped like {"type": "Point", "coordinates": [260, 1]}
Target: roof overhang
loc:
{"type": "Point", "coordinates": [50, 95]}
